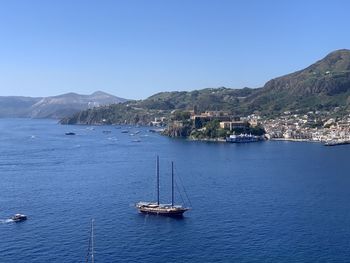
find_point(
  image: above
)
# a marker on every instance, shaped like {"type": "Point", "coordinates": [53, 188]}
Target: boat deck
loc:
{"type": "Point", "coordinates": [161, 209]}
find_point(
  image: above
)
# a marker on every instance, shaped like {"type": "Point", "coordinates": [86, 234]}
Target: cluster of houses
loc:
{"type": "Point", "coordinates": [158, 122]}
{"type": "Point", "coordinates": [226, 120]}
{"type": "Point", "coordinates": [314, 126]}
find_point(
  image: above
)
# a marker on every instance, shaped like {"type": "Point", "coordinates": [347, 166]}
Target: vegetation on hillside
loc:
{"type": "Point", "coordinates": [206, 129]}
{"type": "Point", "coordinates": [321, 86]}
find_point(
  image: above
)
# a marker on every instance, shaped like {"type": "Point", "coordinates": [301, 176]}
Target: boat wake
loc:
{"type": "Point", "coordinates": [6, 221]}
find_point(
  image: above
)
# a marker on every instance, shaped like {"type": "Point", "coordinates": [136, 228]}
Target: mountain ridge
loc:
{"type": "Point", "coordinates": [323, 85]}
{"type": "Point", "coordinates": [56, 107]}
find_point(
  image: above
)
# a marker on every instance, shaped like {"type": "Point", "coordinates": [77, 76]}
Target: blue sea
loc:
{"type": "Point", "coordinates": [258, 202]}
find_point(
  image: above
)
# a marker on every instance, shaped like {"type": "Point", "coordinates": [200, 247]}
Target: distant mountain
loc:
{"type": "Point", "coordinates": [54, 107]}
{"type": "Point", "coordinates": [15, 106]}
{"type": "Point", "coordinates": [321, 86]}
{"type": "Point", "coordinates": [162, 104]}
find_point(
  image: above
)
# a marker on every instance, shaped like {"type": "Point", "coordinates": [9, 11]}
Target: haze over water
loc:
{"type": "Point", "coordinates": [259, 202]}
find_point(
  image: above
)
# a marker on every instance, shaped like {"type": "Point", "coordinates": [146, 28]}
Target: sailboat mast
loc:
{"type": "Point", "coordinates": [157, 180]}
{"type": "Point", "coordinates": [172, 183]}
{"type": "Point", "coordinates": [92, 241]}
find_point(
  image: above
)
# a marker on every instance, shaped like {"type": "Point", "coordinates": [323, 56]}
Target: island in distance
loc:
{"type": "Point", "coordinates": [55, 107]}
{"type": "Point", "coordinates": [312, 104]}
{"type": "Point", "coordinates": [322, 86]}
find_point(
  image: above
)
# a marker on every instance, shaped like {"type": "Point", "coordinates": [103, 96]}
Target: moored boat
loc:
{"type": "Point", "coordinates": [242, 138]}
{"type": "Point", "coordinates": [155, 208]}
{"type": "Point", "coordinates": [161, 209]}
{"type": "Point", "coordinates": [335, 143]}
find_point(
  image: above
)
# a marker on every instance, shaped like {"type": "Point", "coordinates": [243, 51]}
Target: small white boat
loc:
{"type": "Point", "coordinates": [19, 217]}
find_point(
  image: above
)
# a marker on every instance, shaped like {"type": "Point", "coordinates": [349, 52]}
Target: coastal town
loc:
{"type": "Point", "coordinates": [314, 126]}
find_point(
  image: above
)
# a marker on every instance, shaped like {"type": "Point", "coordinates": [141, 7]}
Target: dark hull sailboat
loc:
{"type": "Point", "coordinates": [162, 210]}
{"type": "Point", "coordinates": [155, 208]}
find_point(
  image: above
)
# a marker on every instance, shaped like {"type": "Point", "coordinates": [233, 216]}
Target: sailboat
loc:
{"type": "Point", "coordinates": [155, 208]}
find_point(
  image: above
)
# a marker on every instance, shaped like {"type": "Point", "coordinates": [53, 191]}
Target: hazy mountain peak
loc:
{"type": "Point", "coordinates": [55, 106]}
{"type": "Point", "coordinates": [100, 93]}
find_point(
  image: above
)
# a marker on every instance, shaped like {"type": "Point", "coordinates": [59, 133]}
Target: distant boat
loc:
{"type": "Point", "coordinates": [125, 131]}
{"type": "Point", "coordinates": [19, 218]}
{"type": "Point", "coordinates": [155, 208]}
{"type": "Point", "coordinates": [70, 133]}
{"type": "Point", "coordinates": [156, 130]}
{"type": "Point", "coordinates": [335, 143]}
{"type": "Point", "coordinates": [242, 138]}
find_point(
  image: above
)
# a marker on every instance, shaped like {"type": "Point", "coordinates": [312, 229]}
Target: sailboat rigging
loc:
{"type": "Point", "coordinates": [156, 208]}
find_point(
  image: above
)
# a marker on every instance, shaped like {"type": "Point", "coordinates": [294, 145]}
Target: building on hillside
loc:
{"type": "Point", "coordinates": [177, 124]}
{"type": "Point", "coordinates": [158, 121]}
{"type": "Point", "coordinates": [200, 120]}
{"type": "Point", "coordinates": [230, 125]}
{"type": "Point", "coordinates": [253, 122]}
{"type": "Point", "coordinates": [210, 114]}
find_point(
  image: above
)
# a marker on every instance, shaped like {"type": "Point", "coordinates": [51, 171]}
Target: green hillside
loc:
{"type": "Point", "coordinates": [322, 86]}
{"type": "Point", "coordinates": [162, 104]}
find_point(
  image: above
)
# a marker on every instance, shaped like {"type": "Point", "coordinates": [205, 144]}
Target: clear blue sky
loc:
{"type": "Point", "coordinates": [134, 49]}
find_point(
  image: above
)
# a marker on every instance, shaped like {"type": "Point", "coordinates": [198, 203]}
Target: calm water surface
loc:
{"type": "Point", "coordinates": [261, 202]}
